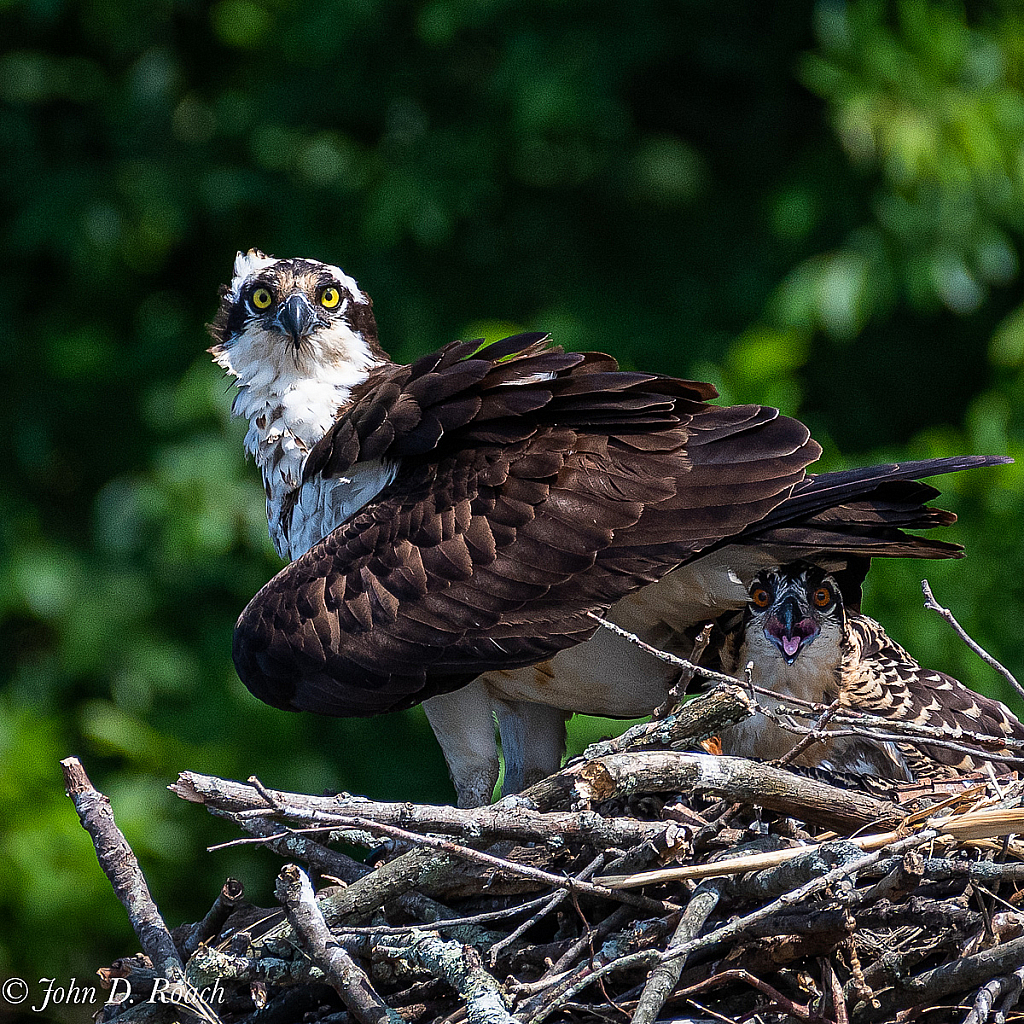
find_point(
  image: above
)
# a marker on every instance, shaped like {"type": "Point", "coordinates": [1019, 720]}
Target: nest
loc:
{"type": "Point", "coordinates": [643, 882]}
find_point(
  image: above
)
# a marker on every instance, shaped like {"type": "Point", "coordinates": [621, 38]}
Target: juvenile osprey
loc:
{"type": "Point", "coordinates": [464, 514]}
{"type": "Point", "coordinates": [803, 642]}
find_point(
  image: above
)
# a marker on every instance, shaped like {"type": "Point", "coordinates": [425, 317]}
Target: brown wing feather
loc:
{"type": "Point", "coordinates": [841, 520]}
{"type": "Point", "coordinates": [484, 555]}
{"type": "Point", "coordinates": [881, 678]}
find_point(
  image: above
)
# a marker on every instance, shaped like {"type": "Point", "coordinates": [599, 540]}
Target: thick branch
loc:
{"type": "Point", "coordinates": [461, 966]}
{"type": "Point", "coordinates": [665, 976]}
{"type": "Point", "coordinates": [121, 867]}
{"type": "Point", "coordinates": [734, 778]}
{"type": "Point", "coordinates": [505, 820]}
{"type": "Point", "coordinates": [703, 716]}
{"type": "Point", "coordinates": [409, 871]}
{"type": "Point", "coordinates": [959, 976]}
{"type": "Point", "coordinates": [348, 980]}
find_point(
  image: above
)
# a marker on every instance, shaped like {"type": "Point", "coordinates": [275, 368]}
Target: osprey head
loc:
{"type": "Point", "coordinates": [791, 605]}
{"type": "Point", "coordinates": [292, 318]}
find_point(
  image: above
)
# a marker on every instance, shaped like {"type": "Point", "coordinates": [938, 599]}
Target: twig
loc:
{"type": "Point", "coordinates": [986, 999]}
{"type": "Point", "coordinates": [559, 971]}
{"type": "Point", "coordinates": [733, 865]}
{"type": "Point", "coordinates": [815, 735]}
{"type": "Point", "coordinates": [984, 823]}
{"type": "Point", "coordinates": [430, 914]}
{"type": "Point", "coordinates": [549, 904]}
{"type": "Point", "coordinates": [412, 870]}
{"type": "Point", "coordinates": [779, 1001]}
{"type": "Point", "coordinates": [734, 929]}
{"type": "Point", "coordinates": [900, 731]}
{"type": "Point", "coordinates": [460, 966]}
{"type": "Point", "coordinates": [671, 659]}
{"type": "Point", "coordinates": [795, 707]}
{"type": "Point", "coordinates": [900, 882]}
{"type": "Point", "coordinates": [685, 676]}
{"type": "Point", "coordinates": [446, 923]}
{"type": "Point", "coordinates": [1011, 997]}
{"type": "Point", "coordinates": [913, 733]}
{"type": "Point", "coordinates": [665, 976]}
{"type": "Point", "coordinates": [348, 980]}
{"type": "Point", "coordinates": [933, 605]}
{"type": "Point", "coordinates": [711, 1013]}
{"type": "Point", "coordinates": [503, 864]}
{"type": "Point", "coordinates": [831, 984]}
{"type": "Point", "coordinates": [291, 844]}
{"type": "Point", "coordinates": [230, 895]}
{"type": "Point", "coordinates": [616, 949]}
{"type": "Point", "coordinates": [957, 976]}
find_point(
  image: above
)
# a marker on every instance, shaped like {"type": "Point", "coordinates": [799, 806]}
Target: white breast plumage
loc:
{"type": "Point", "coordinates": [291, 397]}
{"type": "Point", "coordinates": [322, 504]}
{"type": "Point", "coordinates": [283, 427]}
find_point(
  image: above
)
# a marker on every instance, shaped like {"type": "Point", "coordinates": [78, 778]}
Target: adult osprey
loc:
{"type": "Point", "coordinates": [802, 642]}
{"type": "Point", "coordinates": [466, 514]}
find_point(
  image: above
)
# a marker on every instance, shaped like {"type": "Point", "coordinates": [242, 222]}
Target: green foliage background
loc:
{"type": "Point", "coordinates": [815, 205]}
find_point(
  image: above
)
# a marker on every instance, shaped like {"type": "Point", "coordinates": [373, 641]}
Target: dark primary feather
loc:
{"type": "Point", "coordinates": [845, 518]}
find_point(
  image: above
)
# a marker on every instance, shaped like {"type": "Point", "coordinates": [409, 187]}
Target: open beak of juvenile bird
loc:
{"type": "Point", "coordinates": [790, 629]}
{"type": "Point", "coordinates": [296, 318]}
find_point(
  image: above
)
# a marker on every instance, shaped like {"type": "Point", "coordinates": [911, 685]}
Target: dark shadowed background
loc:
{"type": "Point", "coordinates": [815, 205]}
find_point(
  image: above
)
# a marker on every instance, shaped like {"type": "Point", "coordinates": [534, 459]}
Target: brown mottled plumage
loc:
{"type": "Point", "coordinates": [464, 514]}
{"type": "Point", "coordinates": [802, 642]}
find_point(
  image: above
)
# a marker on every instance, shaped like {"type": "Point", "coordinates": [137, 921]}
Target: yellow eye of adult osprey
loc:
{"type": "Point", "coordinates": [760, 597]}
{"type": "Point", "coordinates": [822, 597]}
{"type": "Point", "coordinates": [261, 298]}
{"type": "Point", "coordinates": [330, 297]}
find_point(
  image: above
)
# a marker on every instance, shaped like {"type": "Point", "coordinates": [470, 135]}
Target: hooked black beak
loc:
{"type": "Point", "coordinates": [790, 630]}
{"type": "Point", "coordinates": [297, 318]}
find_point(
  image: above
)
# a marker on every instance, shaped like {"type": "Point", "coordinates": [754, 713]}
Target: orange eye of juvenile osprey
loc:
{"type": "Point", "coordinates": [330, 297]}
{"type": "Point", "coordinates": [261, 298]}
{"type": "Point", "coordinates": [822, 597]}
{"type": "Point", "coordinates": [760, 597]}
